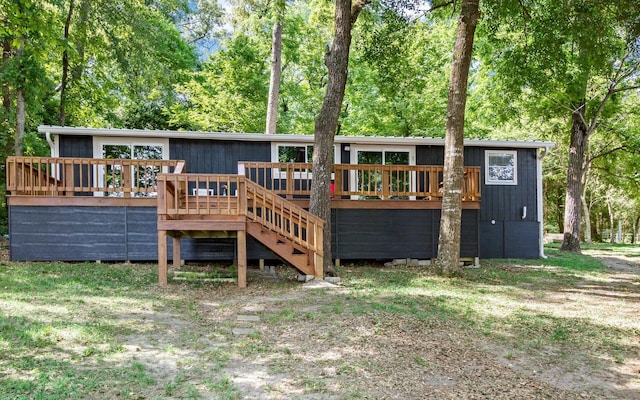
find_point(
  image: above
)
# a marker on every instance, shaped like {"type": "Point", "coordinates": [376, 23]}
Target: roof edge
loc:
{"type": "Point", "coordinates": [279, 137]}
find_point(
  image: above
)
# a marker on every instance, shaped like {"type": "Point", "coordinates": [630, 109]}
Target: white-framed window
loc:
{"type": "Point", "coordinates": [138, 148]}
{"type": "Point", "coordinates": [383, 155]}
{"type": "Point", "coordinates": [295, 153]}
{"type": "Point", "coordinates": [501, 167]}
{"type": "Point", "coordinates": [130, 149]}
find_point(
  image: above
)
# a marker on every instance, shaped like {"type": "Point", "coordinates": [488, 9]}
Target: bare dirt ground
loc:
{"type": "Point", "coordinates": [306, 346]}
{"type": "Point", "coordinates": [332, 344]}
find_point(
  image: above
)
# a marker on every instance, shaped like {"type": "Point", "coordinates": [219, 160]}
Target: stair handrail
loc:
{"type": "Point", "coordinates": [282, 216]}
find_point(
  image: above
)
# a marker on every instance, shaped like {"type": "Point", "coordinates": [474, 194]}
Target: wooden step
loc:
{"type": "Point", "coordinates": [282, 248]}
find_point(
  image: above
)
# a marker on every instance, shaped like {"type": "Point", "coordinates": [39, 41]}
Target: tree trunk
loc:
{"type": "Point", "coordinates": [587, 221]}
{"type": "Point", "coordinates": [81, 40]}
{"type": "Point", "coordinates": [65, 66]}
{"type": "Point", "coordinates": [276, 68]}
{"type": "Point", "coordinates": [572, 220]}
{"type": "Point", "coordinates": [6, 91]}
{"type": "Point", "coordinates": [560, 211]}
{"type": "Point", "coordinates": [611, 223]}
{"type": "Point", "coordinates": [337, 61]}
{"type": "Point", "coordinates": [585, 206]}
{"type": "Point", "coordinates": [448, 262]}
{"type": "Point", "coordinates": [636, 227]}
{"type": "Point", "coordinates": [21, 114]}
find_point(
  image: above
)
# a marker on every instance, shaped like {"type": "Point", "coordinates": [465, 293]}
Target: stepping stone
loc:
{"type": "Point", "coordinates": [248, 318]}
{"type": "Point", "coordinates": [243, 331]}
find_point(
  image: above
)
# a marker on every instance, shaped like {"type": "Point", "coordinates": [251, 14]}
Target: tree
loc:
{"type": "Point", "coordinates": [337, 61]}
{"type": "Point", "coordinates": [276, 67]}
{"type": "Point", "coordinates": [119, 61]}
{"type": "Point", "coordinates": [449, 240]}
{"type": "Point", "coordinates": [573, 57]}
{"type": "Point", "coordinates": [26, 33]}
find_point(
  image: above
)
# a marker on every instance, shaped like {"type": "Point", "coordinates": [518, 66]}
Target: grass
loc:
{"type": "Point", "coordinates": [107, 330]}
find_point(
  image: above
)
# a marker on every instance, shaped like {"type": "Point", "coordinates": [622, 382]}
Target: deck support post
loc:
{"type": "Point", "coordinates": [176, 252]}
{"type": "Point", "coordinates": [242, 259]}
{"type": "Point", "coordinates": [261, 264]}
{"type": "Point", "coordinates": [162, 257]}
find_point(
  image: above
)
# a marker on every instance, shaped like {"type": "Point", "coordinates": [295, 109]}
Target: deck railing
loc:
{"type": "Point", "coordinates": [180, 195]}
{"type": "Point", "coordinates": [361, 181]}
{"type": "Point", "coordinates": [47, 176]}
{"type": "Point", "coordinates": [199, 194]}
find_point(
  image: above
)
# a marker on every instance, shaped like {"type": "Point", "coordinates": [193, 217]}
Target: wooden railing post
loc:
{"type": "Point", "coordinates": [68, 178]}
{"type": "Point", "coordinates": [386, 183]}
{"type": "Point", "coordinates": [337, 186]}
{"type": "Point", "coordinates": [126, 179]}
{"type": "Point", "coordinates": [318, 265]}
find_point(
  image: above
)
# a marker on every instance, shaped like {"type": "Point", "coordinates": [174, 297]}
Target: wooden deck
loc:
{"type": "Point", "coordinates": [265, 200]}
{"type": "Point", "coordinates": [34, 181]}
{"type": "Point", "coordinates": [203, 204]}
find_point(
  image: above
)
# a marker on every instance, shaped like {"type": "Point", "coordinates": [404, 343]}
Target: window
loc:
{"type": "Point", "coordinates": [294, 153]}
{"type": "Point", "coordinates": [299, 154]}
{"type": "Point", "coordinates": [501, 167]}
{"type": "Point", "coordinates": [371, 181]}
{"type": "Point", "coordinates": [123, 148]}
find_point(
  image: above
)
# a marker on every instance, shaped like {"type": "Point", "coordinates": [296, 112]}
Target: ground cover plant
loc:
{"type": "Point", "coordinates": [567, 327]}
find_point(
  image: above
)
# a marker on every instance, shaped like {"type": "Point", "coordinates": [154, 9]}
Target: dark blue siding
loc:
{"type": "Point", "coordinates": [76, 146]}
{"type": "Point", "coordinates": [383, 234]}
{"type": "Point", "coordinates": [215, 156]}
{"type": "Point", "coordinates": [105, 233]}
{"type": "Point", "coordinates": [130, 233]}
{"type": "Point", "coordinates": [67, 233]}
{"type": "Point", "coordinates": [502, 204]}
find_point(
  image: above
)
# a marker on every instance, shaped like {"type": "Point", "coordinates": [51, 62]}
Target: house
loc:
{"type": "Point", "coordinates": [98, 196]}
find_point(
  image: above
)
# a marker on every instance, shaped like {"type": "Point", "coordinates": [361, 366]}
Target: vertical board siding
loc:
{"type": "Point", "coordinates": [383, 234]}
{"type": "Point", "coordinates": [509, 239]}
{"type": "Point", "coordinates": [76, 146]}
{"type": "Point", "coordinates": [121, 233]}
{"type": "Point", "coordinates": [505, 202]}
{"type": "Point", "coordinates": [502, 204]}
{"type": "Point", "coordinates": [130, 233]}
{"type": "Point", "coordinates": [521, 239]}
{"type": "Point", "coordinates": [217, 157]}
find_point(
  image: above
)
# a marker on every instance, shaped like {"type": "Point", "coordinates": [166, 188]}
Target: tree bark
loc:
{"type": "Point", "coordinates": [276, 71]}
{"type": "Point", "coordinates": [337, 61]}
{"type": "Point", "coordinates": [65, 67]}
{"type": "Point", "coordinates": [585, 207]}
{"type": "Point", "coordinates": [587, 221]}
{"type": "Point", "coordinates": [611, 223]}
{"type": "Point", "coordinates": [21, 114]}
{"type": "Point", "coordinates": [6, 91]}
{"type": "Point", "coordinates": [81, 40]}
{"type": "Point", "coordinates": [448, 261]}
{"type": "Point", "coordinates": [572, 204]}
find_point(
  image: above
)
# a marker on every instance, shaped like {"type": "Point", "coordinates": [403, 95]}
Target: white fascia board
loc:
{"type": "Point", "coordinates": [287, 138]}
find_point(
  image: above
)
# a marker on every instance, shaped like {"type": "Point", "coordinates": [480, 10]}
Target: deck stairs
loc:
{"type": "Point", "coordinates": [291, 232]}
{"type": "Point", "coordinates": [283, 227]}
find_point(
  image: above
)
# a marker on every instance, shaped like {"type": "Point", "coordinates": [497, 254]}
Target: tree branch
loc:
{"type": "Point", "coordinates": [625, 88]}
{"type": "Point", "coordinates": [605, 153]}
{"type": "Point", "coordinates": [356, 7]}
{"type": "Point", "coordinates": [441, 5]}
